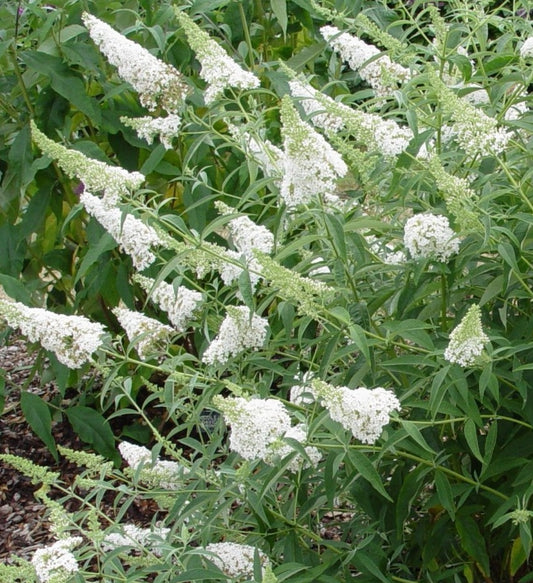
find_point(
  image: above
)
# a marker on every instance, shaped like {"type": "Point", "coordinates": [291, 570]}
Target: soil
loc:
{"type": "Point", "coordinates": [23, 523]}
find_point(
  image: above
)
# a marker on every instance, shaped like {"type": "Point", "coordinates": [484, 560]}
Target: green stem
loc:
{"type": "Point", "coordinates": [247, 35]}
{"type": "Point", "coordinates": [431, 463]}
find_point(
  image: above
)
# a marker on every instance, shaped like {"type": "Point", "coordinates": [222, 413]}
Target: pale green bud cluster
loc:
{"type": "Point", "coordinates": [96, 176]}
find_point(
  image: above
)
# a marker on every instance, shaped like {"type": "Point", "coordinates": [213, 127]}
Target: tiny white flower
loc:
{"type": "Point", "coordinates": [158, 83]}
{"type": "Point", "coordinates": [235, 560]}
{"type": "Point", "coordinates": [526, 50]}
{"type": "Point", "coordinates": [133, 236]}
{"type": "Point", "coordinates": [56, 562]}
{"type": "Point", "coordinates": [429, 236]}
{"type": "Point", "coordinates": [239, 331]}
{"type": "Point", "coordinates": [362, 411]}
{"type": "Point", "coordinates": [467, 340]}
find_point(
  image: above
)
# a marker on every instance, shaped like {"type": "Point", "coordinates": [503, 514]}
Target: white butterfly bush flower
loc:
{"type": "Point", "coordinates": [526, 50]}
{"type": "Point", "coordinates": [311, 166]}
{"type": "Point", "coordinates": [375, 68]}
{"type": "Point", "coordinates": [133, 236]}
{"type": "Point", "coordinates": [362, 411]}
{"type": "Point", "coordinates": [148, 128]}
{"type": "Point", "coordinates": [96, 176]}
{"type": "Point", "coordinates": [164, 474]}
{"type": "Point", "coordinates": [158, 83]}
{"type": "Point", "coordinates": [73, 339]}
{"type": "Point", "coordinates": [179, 303]}
{"type": "Point", "coordinates": [55, 563]}
{"type": "Point", "coordinates": [259, 428]}
{"type": "Point", "coordinates": [240, 330]}
{"type": "Point", "coordinates": [246, 237]}
{"type": "Point", "coordinates": [147, 333]}
{"type": "Point", "coordinates": [234, 559]}
{"type": "Point", "coordinates": [136, 538]}
{"type": "Point", "coordinates": [374, 132]}
{"type": "Point", "coordinates": [428, 236]}
{"type": "Point", "coordinates": [467, 340]}
{"type": "Point", "coordinates": [219, 70]}
{"type": "Point", "coordinates": [280, 449]}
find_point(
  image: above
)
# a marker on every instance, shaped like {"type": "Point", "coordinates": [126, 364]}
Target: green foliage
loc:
{"type": "Point", "coordinates": [337, 295]}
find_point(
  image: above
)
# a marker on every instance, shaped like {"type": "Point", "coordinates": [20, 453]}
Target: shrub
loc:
{"type": "Point", "coordinates": [322, 289]}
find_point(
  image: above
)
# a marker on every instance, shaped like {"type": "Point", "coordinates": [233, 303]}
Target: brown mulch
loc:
{"type": "Point", "coordinates": [23, 518]}
{"type": "Point", "coordinates": [24, 525]}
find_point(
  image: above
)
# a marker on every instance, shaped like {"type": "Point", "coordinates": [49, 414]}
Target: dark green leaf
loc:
{"type": "Point", "coordinates": [472, 542]}
{"type": "Point", "coordinates": [364, 466]}
{"type": "Point", "coordinates": [93, 429]}
{"type": "Point", "coordinates": [38, 416]}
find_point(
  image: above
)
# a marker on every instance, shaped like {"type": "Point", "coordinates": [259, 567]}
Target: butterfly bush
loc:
{"type": "Point", "coordinates": [219, 70]}
{"type": "Point", "coordinates": [428, 236]}
{"type": "Point", "coordinates": [133, 236]}
{"type": "Point", "coordinates": [362, 411]}
{"type": "Point", "coordinates": [55, 563]}
{"type": "Point", "coordinates": [166, 474]}
{"type": "Point", "coordinates": [73, 339]}
{"type": "Point", "coordinates": [158, 83]}
{"type": "Point", "coordinates": [240, 330]}
{"type": "Point", "coordinates": [180, 303]}
{"type": "Point", "coordinates": [96, 176]}
{"type": "Point", "coordinates": [311, 166]}
{"type": "Point", "coordinates": [317, 418]}
{"type": "Point", "coordinates": [376, 69]}
{"type": "Point", "coordinates": [148, 128]}
{"type": "Point", "coordinates": [235, 559]}
{"type": "Point", "coordinates": [467, 340]}
{"type": "Point", "coordinates": [147, 333]}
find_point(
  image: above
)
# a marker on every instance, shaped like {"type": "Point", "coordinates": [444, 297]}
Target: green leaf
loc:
{"type": "Point", "coordinates": [336, 232]}
{"type": "Point", "coordinates": [299, 61]}
{"type": "Point", "coordinates": [357, 334]}
{"type": "Point", "coordinates": [64, 82]}
{"type": "Point", "coordinates": [279, 8]}
{"type": "Point", "coordinates": [92, 428]}
{"type": "Point", "coordinates": [37, 414]}
{"type": "Point", "coordinates": [518, 556]}
{"type": "Point", "coordinates": [104, 244]}
{"type": "Point", "coordinates": [445, 493]}
{"type": "Point", "coordinates": [364, 466]}
{"type": "Point", "coordinates": [416, 434]}
{"type": "Point", "coordinates": [365, 564]}
{"type": "Point", "coordinates": [471, 438]}
{"type": "Point", "coordinates": [473, 543]}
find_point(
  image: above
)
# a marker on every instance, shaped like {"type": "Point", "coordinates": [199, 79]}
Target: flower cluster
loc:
{"type": "Point", "coordinates": [164, 474]}
{"type": "Point", "coordinates": [146, 332]}
{"type": "Point", "coordinates": [135, 537]}
{"type": "Point", "coordinates": [73, 339]}
{"type": "Point", "coordinates": [372, 131]}
{"type": "Point", "coordinates": [157, 83]}
{"type": "Point", "coordinates": [246, 237]}
{"type": "Point", "coordinates": [219, 70]}
{"type": "Point", "coordinates": [311, 166]}
{"type": "Point", "coordinates": [179, 303]}
{"type": "Point", "coordinates": [234, 559]}
{"type": "Point", "coordinates": [467, 339]}
{"type": "Point", "coordinates": [474, 131]}
{"type": "Point", "coordinates": [96, 176]}
{"type": "Point", "coordinates": [526, 50]}
{"type": "Point", "coordinates": [55, 563]}
{"type": "Point", "coordinates": [240, 330]}
{"type": "Point", "coordinates": [376, 69]}
{"type": "Point", "coordinates": [148, 128]}
{"type": "Point", "coordinates": [259, 429]}
{"type": "Point", "coordinates": [428, 236]}
{"type": "Point", "coordinates": [458, 194]}
{"type": "Point", "coordinates": [362, 411]}
{"type": "Point", "coordinates": [133, 235]}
